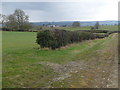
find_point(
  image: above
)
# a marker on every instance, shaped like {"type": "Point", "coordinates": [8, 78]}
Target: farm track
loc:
{"type": "Point", "coordinates": [98, 71]}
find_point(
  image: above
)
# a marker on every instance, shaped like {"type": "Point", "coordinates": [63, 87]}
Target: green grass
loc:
{"type": "Point", "coordinates": [110, 27]}
{"type": "Point", "coordinates": [99, 51]}
{"type": "Point", "coordinates": [21, 58]}
{"type": "Point", "coordinates": [105, 27]}
{"type": "Point", "coordinates": [75, 28]}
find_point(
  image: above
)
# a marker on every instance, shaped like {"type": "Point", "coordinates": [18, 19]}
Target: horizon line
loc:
{"type": "Point", "coordinates": [76, 20]}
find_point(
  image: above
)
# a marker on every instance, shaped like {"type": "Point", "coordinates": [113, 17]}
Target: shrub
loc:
{"type": "Point", "coordinates": [56, 38]}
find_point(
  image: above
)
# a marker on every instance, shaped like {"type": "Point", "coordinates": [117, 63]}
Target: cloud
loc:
{"type": "Point", "coordinates": [37, 15]}
{"type": "Point", "coordinates": [81, 10]}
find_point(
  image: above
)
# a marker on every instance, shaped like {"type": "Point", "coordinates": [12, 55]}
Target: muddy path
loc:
{"type": "Point", "coordinates": [99, 71]}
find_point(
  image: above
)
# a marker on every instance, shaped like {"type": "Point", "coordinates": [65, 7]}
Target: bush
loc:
{"type": "Point", "coordinates": [96, 31]}
{"type": "Point", "coordinates": [56, 38]}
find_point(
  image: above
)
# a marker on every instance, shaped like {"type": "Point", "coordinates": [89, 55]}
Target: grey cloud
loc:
{"type": "Point", "coordinates": [57, 11]}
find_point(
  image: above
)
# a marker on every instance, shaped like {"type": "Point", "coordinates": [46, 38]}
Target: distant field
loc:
{"type": "Point", "coordinates": [107, 27]}
{"type": "Point", "coordinates": [21, 58]}
{"type": "Point", "coordinates": [110, 27]}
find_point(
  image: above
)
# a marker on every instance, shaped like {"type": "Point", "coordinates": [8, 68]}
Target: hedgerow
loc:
{"type": "Point", "coordinates": [57, 38]}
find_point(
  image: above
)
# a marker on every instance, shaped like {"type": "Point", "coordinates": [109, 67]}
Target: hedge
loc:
{"type": "Point", "coordinates": [57, 38]}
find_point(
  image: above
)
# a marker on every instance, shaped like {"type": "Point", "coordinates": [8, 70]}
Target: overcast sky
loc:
{"type": "Point", "coordinates": [82, 10]}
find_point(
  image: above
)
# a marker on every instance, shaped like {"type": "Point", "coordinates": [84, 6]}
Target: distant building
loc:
{"type": "Point", "coordinates": [52, 26]}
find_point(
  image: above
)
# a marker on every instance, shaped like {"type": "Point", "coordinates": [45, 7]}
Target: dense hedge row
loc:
{"type": "Point", "coordinates": [96, 31]}
{"type": "Point", "coordinates": [56, 38]}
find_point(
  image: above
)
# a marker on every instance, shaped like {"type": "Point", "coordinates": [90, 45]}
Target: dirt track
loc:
{"type": "Point", "coordinates": [100, 71]}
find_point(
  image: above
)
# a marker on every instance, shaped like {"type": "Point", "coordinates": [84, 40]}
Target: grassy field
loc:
{"type": "Point", "coordinates": [107, 27]}
{"type": "Point", "coordinates": [21, 58]}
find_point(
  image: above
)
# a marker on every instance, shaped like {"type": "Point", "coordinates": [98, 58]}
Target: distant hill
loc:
{"type": "Point", "coordinates": [69, 23]}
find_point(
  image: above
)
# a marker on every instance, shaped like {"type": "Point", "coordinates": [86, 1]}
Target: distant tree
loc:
{"type": "Point", "coordinates": [18, 21]}
{"type": "Point", "coordinates": [11, 22]}
{"type": "Point", "coordinates": [92, 28]}
{"type": "Point", "coordinates": [3, 19]}
{"type": "Point", "coordinates": [49, 24]}
{"type": "Point", "coordinates": [97, 25]}
{"type": "Point", "coordinates": [21, 19]}
{"type": "Point", "coordinates": [64, 25]}
{"type": "Point", "coordinates": [43, 25]}
{"type": "Point", "coordinates": [76, 24]}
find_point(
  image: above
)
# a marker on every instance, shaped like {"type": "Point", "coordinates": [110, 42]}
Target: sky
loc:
{"type": "Point", "coordinates": [77, 10]}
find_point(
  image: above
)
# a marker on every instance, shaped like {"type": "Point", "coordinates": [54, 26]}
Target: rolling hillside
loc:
{"type": "Point", "coordinates": [83, 23]}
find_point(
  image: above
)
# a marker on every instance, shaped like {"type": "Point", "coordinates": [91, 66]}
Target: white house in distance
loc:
{"type": "Point", "coordinates": [52, 26]}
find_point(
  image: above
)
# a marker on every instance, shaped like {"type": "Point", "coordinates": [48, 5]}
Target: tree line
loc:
{"type": "Point", "coordinates": [95, 27]}
{"type": "Point", "coordinates": [18, 21]}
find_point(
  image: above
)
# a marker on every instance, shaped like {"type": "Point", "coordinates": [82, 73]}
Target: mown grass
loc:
{"type": "Point", "coordinates": [21, 58]}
